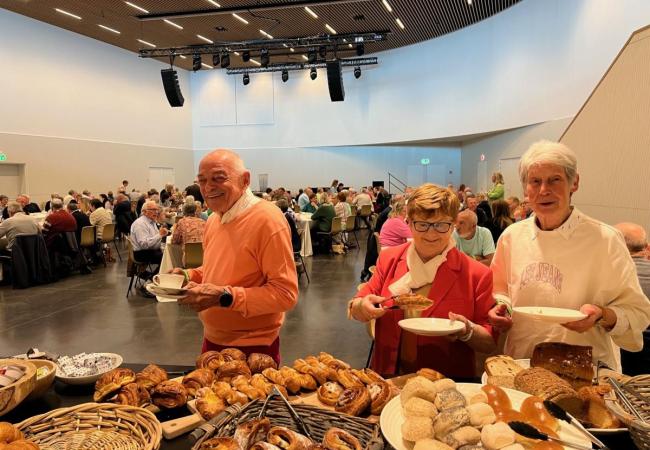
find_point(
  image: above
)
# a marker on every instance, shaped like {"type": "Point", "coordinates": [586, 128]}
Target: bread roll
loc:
{"type": "Point", "coordinates": [449, 398]}
{"type": "Point", "coordinates": [430, 374]}
{"type": "Point", "coordinates": [431, 444]}
{"type": "Point", "coordinates": [497, 436]}
{"type": "Point", "coordinates": [418, 387]}
{"type": "Point", "coordinates": [449, 420]}
{"type": "Point", "coordinates": [444, 384]}
{"type": "Point", "coordinates": [481, 414]}
{"type": "Point", "coordinates": [419, 407]}
{"type": "Point", "coordinates": [462, 436]}
{"type": "Point", "coordinates": [416, 428]}
{"type": "Point", "coordinates": [476, 397]}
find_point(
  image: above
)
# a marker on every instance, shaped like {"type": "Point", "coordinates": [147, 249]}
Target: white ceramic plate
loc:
{"type": "Point", "coordinates": [431, 326]}
{"type": "Point", "coordinates": [153, 289]}
{"type": "Point", "coordinates": [391, 419]}
{"type": "Point", "coordinates": [117, 361]}
{"type": "Point", "coordinates": [551, 315]}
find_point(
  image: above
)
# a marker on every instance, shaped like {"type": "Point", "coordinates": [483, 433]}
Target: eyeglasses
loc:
{"type": "Point", "coordinates": [440, 227]}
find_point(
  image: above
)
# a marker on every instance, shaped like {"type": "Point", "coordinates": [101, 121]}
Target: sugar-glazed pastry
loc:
{"type": "Point", "coordinates": [9, 433]}
{"type": "Point", "coordinates": [257, 362]}
{"type": "Point", "coordinates": [133, 395]}
{"type": "Point", "coordinates": [338, 439]}
{"type": "Point", "coordinates": [220, 443]}
{"type": "Point", "coordinates": [348, 379]}
{"type": "Point", "coordinates": [169, 394]}
{"type": "Point", "coordinates": [111, 382]}
{"type": "Point", "coordinates": [353, 401]}
{"type": "Point", "coordinates": [233, 354]}
{"type": "Point", "coordinates": [197, 379]}
{"type": "Point", "coordinates": [150, 376]}
{"type": "Point", "coordinates": [329, 393]}
{"type": "Point", "coordinates": [380, 394]}
{"type": "Point", "coordinates": [208, 403]}
{"type": "Point", "coordinates": [233, 368]}
{"type": "Point", "coordinates": [287, 439]}
{"type": "Point", "coordinates": [248, 433]}
{"type": "Point", "coordinates": [210, 360]}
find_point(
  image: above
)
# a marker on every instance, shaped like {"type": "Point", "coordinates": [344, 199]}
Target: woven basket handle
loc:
{"type": "Point", "coordinates": [294, 414]}
{"type": "Point", "coordinates": [211, 425]}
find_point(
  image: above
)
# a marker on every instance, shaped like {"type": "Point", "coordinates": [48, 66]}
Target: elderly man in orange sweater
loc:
{"type": "Point", "coordinates": [248, 277]}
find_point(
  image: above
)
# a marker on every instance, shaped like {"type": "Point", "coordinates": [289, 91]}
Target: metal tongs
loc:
{"type": "Point", "coordinates": [621, 389]}
{"type": "Point", "coordinates": [276, 393]}
{"type": "Point", "coordinates": [531, 432]}
{"type": "Point", "coordinates": [559, 413]}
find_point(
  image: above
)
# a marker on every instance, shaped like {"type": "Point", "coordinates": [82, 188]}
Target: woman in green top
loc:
{"type": "Point", "coordinates": [497, 192]}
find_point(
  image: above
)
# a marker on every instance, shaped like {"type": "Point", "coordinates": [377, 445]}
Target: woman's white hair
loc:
{"type": "Point", "coordinates": [548, 152]}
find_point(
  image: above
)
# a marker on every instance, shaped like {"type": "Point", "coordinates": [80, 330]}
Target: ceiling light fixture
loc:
{"type": "Point", "coordinates": [330, 29]}
{"type": "Point", "coordinates": [256, 62]}
{"type": "Point", "coordinates": [292, 49]}
{"type": "Point", "coordinates": [313, 73]}
{"type": "Point", "coordinates": [237, 53]}
{"type": "Point", "coordinates": [225, 60]}
{"type": "Point", "coordinates": [264, 57]}
{"type": "Point", "coordinates": [147, 43]}
{"type": "Point", "coordinates": [203, 38]}
{"type": "Point", "coordinates": [246, 56]}
{"type": "Point", "coordinates": [469, 2]}
{"type": "Point", "coordinates": [196, 62]}
{"type": "Point", "coordinates": [216, 59]}
{"type": "Point", "coordinates": [311, 13]}
{"type": "Point", "coordinates": [240, 18]}
{"type": "Point", "coordinates": [266, 34]}
{"type": "Point", "coordinates": [388, 8]}
{"type": "Point", "coordinates": [139, 8]}
{"type": "Point", "coordinates": [305, 58]}
{"type": "Point", "coordinates": [183, 56]}
{"type": "Point", "coordinates": [112, 30]}
{"type": "Point", "coordinates": [399, 22]}
{"type": "Point", "coordinates": [206, 66]}
{"type": "Point", "coordinates": [285, 76]}
{"type": "Point", "coordinates": [247, 79]}
{"type": "Point", "coordinates": [357, 72]}
{"type": "Point", "coordinates": [350, 45]}
{"type": "Point", "coordinates": [173, 24]}
{"type": "Point", "coordinates": [214, 3]}
{"type": "Point", "coordinates": [67, 13]}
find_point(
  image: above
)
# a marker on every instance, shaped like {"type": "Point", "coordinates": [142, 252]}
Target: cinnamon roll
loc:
{"type": "Point", "coordinates": [353, 401]}
{"type": "Point", "coordinates": [251, 432]}
{"type": "Point", "coordinates": [169, 394]}
{"type": "Point", "coordinates": [197, 379]}
{"type": "Point", "coordinates": [210, 360]}
{"type": "Point", "coordinates": [348, 379]}
{"type": "Point", "coordinates": [329, 393]}
{"type": "Point", "coordinates": [338, 439]}
{"type": "Point", "coordinates": [380, 393]}
{"type": "Point", "coordinates": [220, 443]}
{"type": "Point", "coordinates": [133, 395]}
{"type": "Point", "coordinates": [287, 439]}
{"type": "Point", "coordinates": [150, 376]}
{"type": "Point", "coordinates": [111, 382]}
{"type": "Point", "coordinates": [231, 369]}
{"type": "Point", "coordinates": [257, 362]}
{"type": "Point", "coordinates": [233, 354]}
{"type": "Point", "coordinates": [208, 403]}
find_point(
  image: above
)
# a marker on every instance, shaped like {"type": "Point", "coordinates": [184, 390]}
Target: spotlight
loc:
{"type": "Point", "coordinates": [264, 57]}
{"type": "Point", "coordinates": [247, 79]}
{"type": "Point", "coordinates": [313, 73]}
{"type": "Point", "coordinates": [311, 56]}
{"type": "Point", "coordinates": [360, 49]}
{"type": "Point", "coordinates": [357, 72]}
{"type": "Point", "coordinates": [225, 60]}
{"type": "Point", "coordinates": [322, 51]}
{"type": "Point", "coordinates": [196, 62]}
{"type": "Point", "coordinates": [215, 59]}
{"type": "Point", "coordinates": [246, 56]}
{"type": "Point", "coordinates": [285, 76]}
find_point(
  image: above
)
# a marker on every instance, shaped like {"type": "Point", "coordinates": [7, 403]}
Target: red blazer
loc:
{"type": "Point", "coordinates": [462, 285]}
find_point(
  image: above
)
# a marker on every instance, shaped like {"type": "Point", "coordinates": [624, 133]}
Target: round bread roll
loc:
{"type": "Point", "coordinates": [416, 428]}
{"type": "Point", "coordinates": [463, 436]}
{"type": "Point", "coordinates": [481, 414]}
{"type": "Point", "coordinates": [444, 384]}
{"type": "Point", "coordinates": [476, 397]}
{"type": "Point", "coordinates": [418, 387]}
{"type": "Point", "coordinates": [431, 444]}
{"type": "Point", "coordinates": [449, 420]}
{"type": "Point", "coordinates": [449, 398]}
{"type": "Point", "coordinates": [471, 447]}
{"type": "Point", "coordinates": [419, 407]}
{"type": "Point", "coordinates": [497, 436]}
{"type": "Point", "coordinates": [515, 447]}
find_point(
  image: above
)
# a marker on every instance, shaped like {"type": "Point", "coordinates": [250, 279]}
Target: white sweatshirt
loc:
{"type": "Point", "coordinates": [582, 261]}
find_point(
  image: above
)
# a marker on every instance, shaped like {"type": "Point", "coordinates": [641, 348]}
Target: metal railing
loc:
{"type": "Point", "coordinates": [394, 182]}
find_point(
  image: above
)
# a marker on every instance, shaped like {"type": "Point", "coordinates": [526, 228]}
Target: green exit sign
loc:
{"type": "Point", "coordinates": [3, 157]}
{"type": "Point", "coordinates": [425, 161]}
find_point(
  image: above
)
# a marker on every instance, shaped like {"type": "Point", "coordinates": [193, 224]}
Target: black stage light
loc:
{"type": "Point", "coordinates": [313, 73]}
{"type": "Point", "coordinates": [360, 49]}
{"type": "Point", "coordinates": [285, 76]}
{"type": "Point", "coordinates": [196, 62]}
{"type": "Point", "coordinates": [264, 57]}
{"type": "Point", "coordinates": [246, 56]}
{"type": "Point", "coordinates": [225, 60]}
{"type": "Point", "coordinates": [322, 51]}
{"type": "Point", "coordinates": [247, 79]}
{"type": "Point", "coordinates": [357, 72]}
{"type": "Point", "coordinates": [215, 59]}
{"type": "Point", "coordinates": [311, 56]}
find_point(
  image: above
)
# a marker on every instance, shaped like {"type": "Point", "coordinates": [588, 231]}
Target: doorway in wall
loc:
{"type": "Point", "coordinates": [430, 173]}
{"type": "Point", "coordinates": [12, 180]}
{"type": "Point", "coordinates": [160, 176]}
{"type": "Point", "coordinates": [481, 177]}
{"type": "Point", "coordinates": [509, 168]}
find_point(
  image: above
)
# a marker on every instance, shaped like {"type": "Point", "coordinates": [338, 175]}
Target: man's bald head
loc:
{"type": "Point", "coordinates": [224, 156]}
{"type": "Point", "coordinates": [635, 236]}
{"type": "Point", "coordinates": [223, 179]}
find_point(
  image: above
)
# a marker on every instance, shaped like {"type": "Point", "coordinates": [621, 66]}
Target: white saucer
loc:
{"type": "Point", "coordinates": [153, 289]}
{"type": "Point", "coordinates": [551, 315]}
{"type": "Point", "coordinates": [431, 326]}
{"type": "Point", "coordinates": [168, 290]}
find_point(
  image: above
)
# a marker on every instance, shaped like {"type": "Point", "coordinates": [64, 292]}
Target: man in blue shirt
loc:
{"type": "Point", "coordinates": [146, 237]}
{"type": "Point", "coordinates": [476, 242]}
{"type": "Point", "coordinates": [303, 200]}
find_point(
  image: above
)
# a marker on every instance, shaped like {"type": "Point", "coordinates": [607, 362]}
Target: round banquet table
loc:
{"type": "Point", "coordinates": [303, 223]}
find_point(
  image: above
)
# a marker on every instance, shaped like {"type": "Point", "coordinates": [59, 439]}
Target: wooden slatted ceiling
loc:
{"type": "Point", "coordinates": [423, 20]}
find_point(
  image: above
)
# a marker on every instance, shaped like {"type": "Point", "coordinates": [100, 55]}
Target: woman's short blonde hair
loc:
{"type": "Point", "coordinates": [498, 177]}
{"type": "Point", "coordinates": [548, 152]}
{"type": "Point", "coordinates": [430, 200]}
{"type": "Point", "coordinates": [397, 208]}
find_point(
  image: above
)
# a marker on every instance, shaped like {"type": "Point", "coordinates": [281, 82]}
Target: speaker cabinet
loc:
{"type": "Point", "coordinates": [172, 89]}
{"type": "Point", "coordinates": [335, 81]}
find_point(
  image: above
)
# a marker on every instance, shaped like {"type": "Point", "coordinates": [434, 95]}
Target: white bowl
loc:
{"type": "Point", "coordinates": [90, 379]}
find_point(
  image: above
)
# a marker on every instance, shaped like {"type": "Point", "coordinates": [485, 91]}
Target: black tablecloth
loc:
{"type": "Point", "coordinates": [61, 395]}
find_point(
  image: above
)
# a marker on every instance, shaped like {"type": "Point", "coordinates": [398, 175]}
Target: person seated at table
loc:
{"type": "Point", "coordinates": [312, 206]}
{"type": "Point", "coordinates": [17, 223]}
{"type": "Point", "coordinates": [296, 243]}
{"type": "Point", "coordinates": [124, 217]}
{"type": "Point", "coordinates": [471, 203]}
{"type": "Point", "coordinates": [27, 205]}
{"type": "Point", "coordinates": [99, 217]}
{"type": "Point", "coordinates": [474, 241]}
{"type": "Point", "coordinates": [321, 220]}
{"type": "Point", "coordinates": [189, 228]}
{"type": "Point", "coordinates": [430, 265]}
{"type": "Point", "coordinates": [48, 204]}
{"type": "Point", "coordinates": [146, 237]}
{"type": "Point", "coordinates": [80, 218]}
{"type": "Point", "coordinates": [362, 199]}
{"type": "Point", "coordinates": [304, 199]}
{"type": "Point", "coordinates": [395, 230]}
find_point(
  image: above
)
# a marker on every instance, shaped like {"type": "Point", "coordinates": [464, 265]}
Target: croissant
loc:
{"type": "Point", "coordinates": [133, 395]}
{"type": "Point", "coordinates": [330, 361]}
{"type": "Point", "coordinates": [222, 389]}
{"type": "Point", "coordinates": [197, 379]}
{"type": "Point", "coordinates": [287, 378]}
{"type": "Point", "coordinates": [259, 381]}
{"type": "Point", "coordinates": [150, 376]}
{"type": "Point", "coordinates": [169, 394]}
{"type": "Point", "coordinates": [208, 403]}
{"type": "Point", "coordinates": [233, 354]}
{"type": "Point", "coordinates": [320, 374]}
{"type": "Point", "coordinates": [236, 397]}
{"type": "Point", "coordinates": [210, 360]}
{"type": "Point", "coordinates": [353, 401]}
{"type": "Point", "coordinates": [329, 393]}
{"type": "Point", "coordinates": [287, 439]}
{"type": "Point", "coordinates": [367, 376]}
{"type": "Point", "coordinates": [20, 444]}
{"type": "Point", "coordinates": [9, 433]}
{"type": "Point", "coordinates": [380, 393]}
{"type": "Point", "coordinates": [348, 379]}
{"type": "Point", "coordinates": [111, 382]}
{"type": "Point", "coordinates": [338, 439]}
{"type": "Point", "coordinates": [231, 369]}
{"type": "Point", "coordinates": [248, 433]}
{"type": "Point", "coordinates": [259, 361]}
{"type": "Point", "coordinates": [220, 443]}
{"type": "Point", "coordinates": [304, 381]}
{"type": "Point", "coordinates": [242, 385]}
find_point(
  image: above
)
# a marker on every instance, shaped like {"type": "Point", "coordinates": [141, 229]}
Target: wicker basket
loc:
{"type": "Point", "coordinates": [94, 426]}
{"type": "Point", "coordinates": [639, 399]}
{"type": "Point", "coordinates": [317, 420]}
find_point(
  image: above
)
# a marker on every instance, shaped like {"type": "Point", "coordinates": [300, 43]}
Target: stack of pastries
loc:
{"type": "Point", "coordinates": [12, 439]}
{"type": "Point", "coordinates": [439, 417]}
{"type": "Point", "coordinates": [258, 434]}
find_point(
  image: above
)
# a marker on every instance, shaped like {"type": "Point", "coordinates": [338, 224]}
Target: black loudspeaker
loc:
{"type": "Point", "coordinates": [172, 89]}
{"type": "Point", "coordinates": [335, 81]}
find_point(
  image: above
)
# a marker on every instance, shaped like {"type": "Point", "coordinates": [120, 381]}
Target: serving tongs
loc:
{"type": "Point", "coordinates": [276, 393]}
{"type": "Point", "coordinates": [620, 390]}
{"type": "Point", "coordinates": [559, 413]}
{"type": "Point", "coordinates": [531, 432]}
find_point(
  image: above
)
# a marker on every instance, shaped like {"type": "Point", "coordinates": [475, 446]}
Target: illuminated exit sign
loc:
{"type": "Point", "coordinates": [425, 161]}
{"type": "Point", "coordinates": [3, 157]}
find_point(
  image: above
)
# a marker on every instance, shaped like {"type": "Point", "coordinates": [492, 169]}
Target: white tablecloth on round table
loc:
{"type": "Point", "coordinates": [303, 222]}
{"type": "Point", "coordinates": [172, 257]}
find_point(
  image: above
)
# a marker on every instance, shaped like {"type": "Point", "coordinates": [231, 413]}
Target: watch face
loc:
{"type": "Point", "coordinates": [226, 299]}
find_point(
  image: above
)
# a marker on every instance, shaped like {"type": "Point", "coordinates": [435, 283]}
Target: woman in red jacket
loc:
{"type": "Point", "coordinates": [460, 288]}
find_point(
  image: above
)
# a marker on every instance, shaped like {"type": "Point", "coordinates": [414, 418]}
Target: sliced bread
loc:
{"type": "Point", "coordinates": [502, 365]}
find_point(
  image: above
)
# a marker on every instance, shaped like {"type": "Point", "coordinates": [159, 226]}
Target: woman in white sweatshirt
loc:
{"type": "Point", "coordinates": [562, 258]}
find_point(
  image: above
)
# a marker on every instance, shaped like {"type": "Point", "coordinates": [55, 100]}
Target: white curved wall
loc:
{"type": "Point", "coordinates": [534, 62]}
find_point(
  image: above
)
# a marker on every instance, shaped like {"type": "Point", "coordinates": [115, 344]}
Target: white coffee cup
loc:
{"type": "Point", "coordinates": [169, 280]}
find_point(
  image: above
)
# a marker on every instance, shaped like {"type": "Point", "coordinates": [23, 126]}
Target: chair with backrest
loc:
{"type": "Point", "coordinates": [193, 252]}
{"type": "Point", "coordinates": [108, 236]}
{"type": "Point", "coordinates": [365, 215]}
{"type": "Point", "coordinates": [326, 237]}
{"type": "Point", "coordinates": [87, 242]}
{"type": "Point", "coordinates": [353, 210]}
{"type": "Point", "coordinates": [350, 228]}
{"type": "Point", "coordinates": [134, 269]}
{"type": "Point", "coordinates": [30, 261]}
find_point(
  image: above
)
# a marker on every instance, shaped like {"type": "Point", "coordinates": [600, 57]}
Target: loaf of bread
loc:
{"type": "Point", "coordinates": [548, 386]}
{"type": "Point", "coordinates": [595, 411]}
{"type": "Point", "coordinates": [572, 363]}
{"type": "Point", "coordinates": [501, 365]}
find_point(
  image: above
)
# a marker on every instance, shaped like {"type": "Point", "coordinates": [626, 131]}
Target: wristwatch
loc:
{"type": "Point", "coordinates": [225, 299]}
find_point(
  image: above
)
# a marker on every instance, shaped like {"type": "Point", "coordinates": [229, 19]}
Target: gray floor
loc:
{"type": "Point", "coordinates": [91, 314]}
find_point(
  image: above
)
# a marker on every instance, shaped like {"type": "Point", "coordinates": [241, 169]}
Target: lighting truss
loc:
{"type": "Point", "coordinates": [353, 62]}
